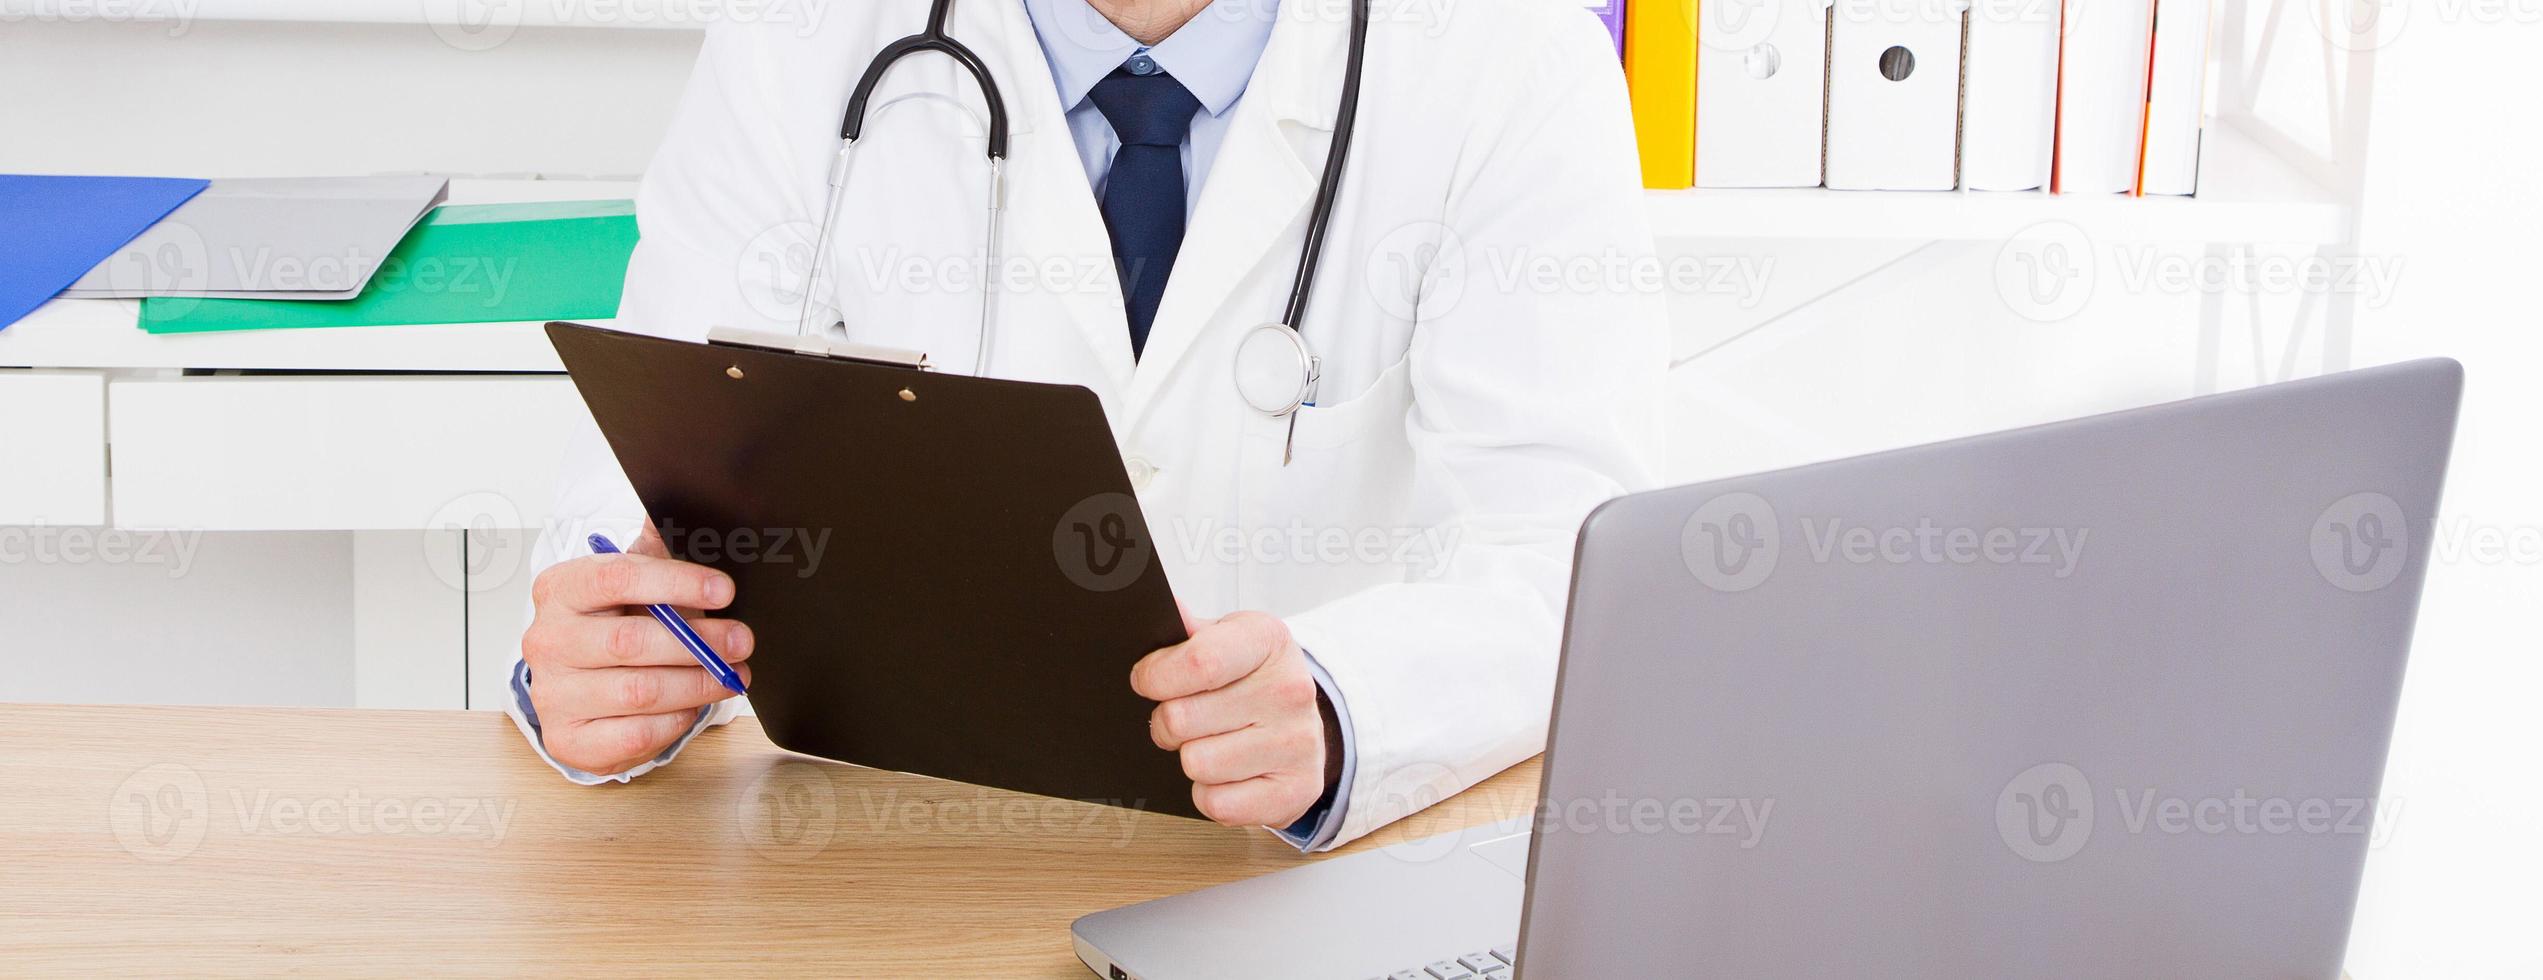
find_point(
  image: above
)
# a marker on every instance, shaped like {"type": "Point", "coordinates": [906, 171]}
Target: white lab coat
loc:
{"type": "Point", "coordinates": [1493, 346]}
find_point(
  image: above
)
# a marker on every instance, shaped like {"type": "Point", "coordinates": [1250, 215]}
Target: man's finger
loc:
{"type": "Point", "coordinates": [593, 642]}
{"type": "Point", "coordinates": [623, 691]}
{"type": "Point", "coordinates": [615, 745]}
{"type": "Point", "coordinates": [1191, 624]}
{"type": "Point", "coordinates": [602, 582]}
{"type": "Point", "coordinates": [649, 543]}
{"type": "Point", "coordinates": [1199, 716]}
{"type": "Point", "coordinates": [1263, 801]}
{"type": "Point", "coordinates": [1214, 658]}
{"type": "Point", "coordinates": [1249, 752]}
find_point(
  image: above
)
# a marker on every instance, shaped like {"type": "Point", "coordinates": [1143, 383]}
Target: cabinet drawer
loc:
{"type": "Point", "coordinates": [52, 447]}
{"type": "Point", "coordinates": [338, 453]}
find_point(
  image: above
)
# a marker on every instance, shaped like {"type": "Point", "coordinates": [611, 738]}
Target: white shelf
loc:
{"type": "Point", "coordinates": [104, 333]}
{"type": "Point", "coordinates": [651, 14]}
{"type": "Point", "coordinates": [2247, 195]}
{"type": "Point", "coordinates": [94, 333]}
{"type": "Point", "coordinates": [2250, 196]}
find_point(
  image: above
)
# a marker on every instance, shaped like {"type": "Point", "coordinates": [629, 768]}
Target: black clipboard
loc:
{"type": "Point", "coordinates": [945, 575]}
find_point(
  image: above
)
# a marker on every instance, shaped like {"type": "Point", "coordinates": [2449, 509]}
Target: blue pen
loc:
{"type": "Point", "coordinates": [670, 620]}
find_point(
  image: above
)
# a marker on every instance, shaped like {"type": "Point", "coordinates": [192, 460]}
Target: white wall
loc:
{"type": "Point", "coordinates": [2454, 199]}
{"type": "Point", "coordinates": [233, 99]}
{"type": "Point", "coordinates": [1922, 349]}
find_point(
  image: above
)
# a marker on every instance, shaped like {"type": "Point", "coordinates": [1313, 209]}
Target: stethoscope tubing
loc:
{"type": "Point", "coordinates": [934, 38]}
{"type": "Point", "coordinates": [1329, 186]}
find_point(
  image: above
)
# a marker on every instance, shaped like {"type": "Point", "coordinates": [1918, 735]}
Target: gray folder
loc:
{"type": "Point", "coordinates": [289, 238]}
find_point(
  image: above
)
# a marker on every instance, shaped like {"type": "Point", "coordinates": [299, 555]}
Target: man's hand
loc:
{"type": "Point", "coordinates": [1238, 703]}
{"type": "Point", "coordinates": [612, 687]}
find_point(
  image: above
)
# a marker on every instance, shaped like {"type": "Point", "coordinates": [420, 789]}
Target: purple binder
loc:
{"type": "Point", "coordinates": [1612, 14]}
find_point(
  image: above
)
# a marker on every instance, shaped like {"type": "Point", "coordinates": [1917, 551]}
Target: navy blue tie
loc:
{"type": "Point", "coordinates": [1143, 194]}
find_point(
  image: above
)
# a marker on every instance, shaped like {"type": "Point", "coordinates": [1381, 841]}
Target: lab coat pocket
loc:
{"type": "Point", "coordinates": [1374, 412]}
{"type": "Point", "coordinates": [1323, 524]}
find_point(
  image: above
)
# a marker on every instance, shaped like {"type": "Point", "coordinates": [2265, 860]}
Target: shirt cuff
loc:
{"type": "Point", "coordinates": [527, 717]}
{"type": "Point", "coordinates": [1316, 830]}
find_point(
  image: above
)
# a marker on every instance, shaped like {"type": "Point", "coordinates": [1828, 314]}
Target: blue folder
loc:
{"type": "Point", "coordinates": [54, 229]}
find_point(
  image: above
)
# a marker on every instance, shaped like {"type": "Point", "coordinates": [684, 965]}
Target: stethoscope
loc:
{"type": "Point", "coordinates": [1276, 372]}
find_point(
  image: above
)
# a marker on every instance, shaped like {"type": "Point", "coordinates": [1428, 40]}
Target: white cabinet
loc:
{"type": "Point", "coordinates": [337, 453]}
{"type": "Point", "coordinates": [52, 448]}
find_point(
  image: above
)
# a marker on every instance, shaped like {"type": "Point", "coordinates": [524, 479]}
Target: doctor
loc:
{"type": "Point", "coordinates": [1375, 584]}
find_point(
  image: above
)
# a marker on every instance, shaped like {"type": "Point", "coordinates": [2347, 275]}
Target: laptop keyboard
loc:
{"type": "Point", "coordinates": [1491, 965]}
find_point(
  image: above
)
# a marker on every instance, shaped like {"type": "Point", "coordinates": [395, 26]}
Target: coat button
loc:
{"type": "Point", "coordinates": [1141, 471]}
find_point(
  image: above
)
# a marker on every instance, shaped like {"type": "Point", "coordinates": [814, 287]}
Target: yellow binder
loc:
{"type": "Point", "coordinates": [1660, 72]}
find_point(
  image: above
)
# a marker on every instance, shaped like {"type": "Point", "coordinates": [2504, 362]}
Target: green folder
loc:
{"type": "Point", "coordinates": [480, 263]}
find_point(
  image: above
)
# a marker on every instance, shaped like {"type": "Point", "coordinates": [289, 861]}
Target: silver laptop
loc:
{"type": "Point", "coordinates": [2103, 698]}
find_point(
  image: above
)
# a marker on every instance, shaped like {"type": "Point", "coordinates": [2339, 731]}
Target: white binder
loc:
{"type": "Point", "coordinates": [2176, 106]}
{"type": "Point", "coordinates": [2102, 95]}
{"type": "Point", "coordinates": [1760, 92]}
{"type": "Point", "coordinates": [2008, 115]}
{"type": "Point", "coordinates": [1894, 94]}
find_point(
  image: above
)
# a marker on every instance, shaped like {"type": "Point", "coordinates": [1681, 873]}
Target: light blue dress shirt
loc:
{"type": "Point", "coordinates": [1213, 55]}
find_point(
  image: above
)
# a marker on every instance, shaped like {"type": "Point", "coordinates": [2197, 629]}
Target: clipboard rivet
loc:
{"type": "Point", "coordinates": [734, 372]}
{"type": "Point", "coordinates": [908, 395]}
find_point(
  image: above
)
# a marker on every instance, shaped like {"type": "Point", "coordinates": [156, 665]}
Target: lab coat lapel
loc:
{"type": "Point", "coordinates": [1255, 198]}
{"type": "Point", "coordinates": [1057, 254]}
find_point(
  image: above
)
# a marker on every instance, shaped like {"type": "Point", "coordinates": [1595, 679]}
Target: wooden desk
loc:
{"type": "Point", "coordinates": [232, 841]}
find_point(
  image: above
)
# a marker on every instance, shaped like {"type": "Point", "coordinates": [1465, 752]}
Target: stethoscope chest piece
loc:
{"type": "Point", "coordinates": [1275, 372]}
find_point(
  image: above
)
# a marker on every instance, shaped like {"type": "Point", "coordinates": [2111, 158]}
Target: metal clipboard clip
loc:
{"type": "Point", "coordinates": [818, 346]}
